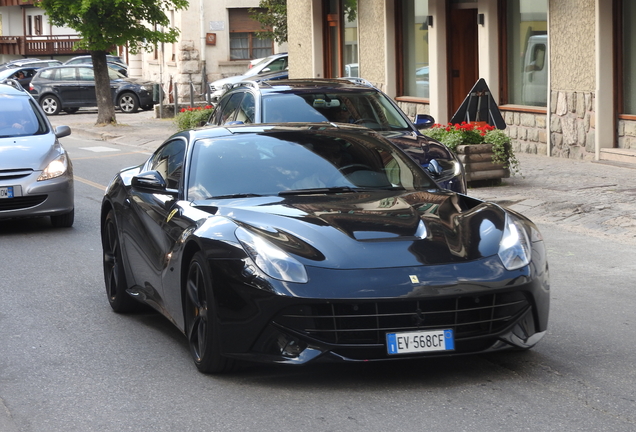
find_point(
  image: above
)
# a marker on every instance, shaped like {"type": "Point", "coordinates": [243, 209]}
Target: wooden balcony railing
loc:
{"type": "Point", "coordinates": [33, 46]}
{"type": "Point", "coordinates": [16, 2]}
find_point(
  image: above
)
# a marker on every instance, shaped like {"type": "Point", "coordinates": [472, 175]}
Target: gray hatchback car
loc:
{"type": "Point", "coordinates": [36, 173]}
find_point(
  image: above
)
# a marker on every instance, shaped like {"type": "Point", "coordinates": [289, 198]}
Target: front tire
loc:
{"type": "Point", "coordinates": [114, 275]}
{"type": "Point", "coordinates": [201, 328]}
{"type": "Point", "coordinates": [128, 102]}
{"type": "Point", "coordinates": [50, 105]}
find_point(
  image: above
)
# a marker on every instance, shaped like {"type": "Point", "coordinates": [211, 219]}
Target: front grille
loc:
{"type": "Point", "coordinates": [14, 174]}
{"type": "Point", "coordinates": [20, 203]}
{"type": "Point", "coordinates": [367, 322]}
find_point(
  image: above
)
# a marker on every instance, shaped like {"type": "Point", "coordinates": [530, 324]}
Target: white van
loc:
{"type": "Point", "coordinates": [535, 72]}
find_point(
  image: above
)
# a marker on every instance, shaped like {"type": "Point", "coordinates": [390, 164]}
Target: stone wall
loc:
{"type": "Point", "coordinates": [527, 131]}
{"type": "Point", "coordinates": [572, 125]}
{"type": "Point", "coordinates": [411, 108]}
{"type": "Point", "coordinates": [627, 134]}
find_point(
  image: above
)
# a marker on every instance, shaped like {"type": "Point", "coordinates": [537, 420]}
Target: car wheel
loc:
{"type": "Point", "coordinates": [64, 220]}
{"type": "Point", "coordinates": [50, 105]}
{"type": "Point", "coordinates": [201, 328]}
{"type": "Point", "coordinates": [114, 275]}
{"type": "Point", "coordinates": [71, 110]}
{"type": "Point", "coordinates": [128, 103]}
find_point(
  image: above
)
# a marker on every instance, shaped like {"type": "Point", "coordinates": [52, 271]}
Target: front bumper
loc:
{"type": "Point", "coordinates": [347, 316]}
{"type": "Point", "coordinates": [34, 198]}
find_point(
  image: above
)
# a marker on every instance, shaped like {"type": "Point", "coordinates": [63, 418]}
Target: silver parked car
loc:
{"type": "Point", "coordinates": [36, 174]}
{"type": "Point", "coordinates": [273, 63]}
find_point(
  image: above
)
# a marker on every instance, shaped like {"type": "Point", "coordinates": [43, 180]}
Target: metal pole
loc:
{"type": "Point", "coordinates": [191, 93]}
{"type": "Point", "coordinates": [176, 100]}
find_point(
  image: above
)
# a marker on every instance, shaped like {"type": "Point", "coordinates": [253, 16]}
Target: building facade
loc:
{"type": "Point", "coordinates": [217, 40]}
{"type": "Point", "coordinates": [25, 31]}
{"type": "Point", "coordinates": [563, 72]}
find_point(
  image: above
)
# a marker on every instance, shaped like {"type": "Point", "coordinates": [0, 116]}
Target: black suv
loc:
{"type": "Point", "coordinates": [352, 100]}
{"type": "Point", "coordinates": [68, 88]}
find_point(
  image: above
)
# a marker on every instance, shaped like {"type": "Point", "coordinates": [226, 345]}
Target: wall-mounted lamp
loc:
{"type": "Point", "coordinates": [429, 20]}
{"type": "Point", "coordinates": [481, 19]}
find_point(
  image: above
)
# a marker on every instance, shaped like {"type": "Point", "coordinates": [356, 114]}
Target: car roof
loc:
{"type": "Point", "coordinates": [264, 128]}
{"type": "Point", "coordinates": [9, 90]}
{"type": "Point", "coordinates": [310, 85]}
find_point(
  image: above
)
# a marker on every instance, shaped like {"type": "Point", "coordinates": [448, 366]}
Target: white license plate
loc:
{"type": "Point", "coordinates": [420, 341]}
{"type": "Point", "coordinates": [6, 192]}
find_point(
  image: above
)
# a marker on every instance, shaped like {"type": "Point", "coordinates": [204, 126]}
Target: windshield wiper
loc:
{"type": "Point", "coordinates": [236, 195]}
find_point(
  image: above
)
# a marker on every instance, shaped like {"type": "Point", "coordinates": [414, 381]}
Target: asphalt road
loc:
{"type": "Point", "coordinates": [68, 363]}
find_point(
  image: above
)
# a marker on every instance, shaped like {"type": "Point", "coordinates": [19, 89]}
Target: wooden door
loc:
{"type": "Point", "coordinates": [463, 55]}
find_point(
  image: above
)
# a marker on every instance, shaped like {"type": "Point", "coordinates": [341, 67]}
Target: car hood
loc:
{"type": "Point", "coordinates": [135, 81]}
{"type": "Point", "coordinates": [372, 230]}
{"type": "Point", "coordinates": [29, 152]}
{"type": "Point", "coordinates": [229, 80]}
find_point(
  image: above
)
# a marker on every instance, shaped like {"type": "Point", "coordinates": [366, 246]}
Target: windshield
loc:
{"type": "Point", "coordinates": [283, 162]}
{"type": "Point", "coordinates": [18, 117]}
{"type": "Point", "coordinates": [371, 109]}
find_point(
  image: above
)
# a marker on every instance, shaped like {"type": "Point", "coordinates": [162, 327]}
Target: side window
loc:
{"type": "Point", "coordinates": [277, 65]}
{"type": "Point", "coordinates": [168, 161]}
{"type": "Point", "coordinates": [48, 74]}
{"type": "Point", "coordinates": [67, 74]}
{"type": "Point", "coordinates": [246, 110]}
{"type": "Point", "coordinates": [86, 74]}
{"type": "Point", "coordinates": [229, 110]}
{"type": "Point", "coordinates": [215, 117]}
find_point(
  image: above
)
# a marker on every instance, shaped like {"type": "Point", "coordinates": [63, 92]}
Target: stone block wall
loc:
{"type": "Point", "coordinates": [411, 109]}
{"type": "Point", "coordinates": [572, 126]}
{"type": "Point", "coordinates": [627, 134]}
{"type": "Point", "coordinates": [527, 131]}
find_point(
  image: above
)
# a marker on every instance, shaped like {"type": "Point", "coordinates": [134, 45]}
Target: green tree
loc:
{"type": "Point", "coordinates": [273, 19]}
{"type": "Point", "coordinates": [105, 24]}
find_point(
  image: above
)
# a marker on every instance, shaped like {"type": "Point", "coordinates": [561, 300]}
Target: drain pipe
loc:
{"type": "Point", "coordinates": [202, 48]}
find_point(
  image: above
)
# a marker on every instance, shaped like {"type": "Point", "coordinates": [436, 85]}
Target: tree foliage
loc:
{"type": "Point", "coordinates": [106, 24]}
{"type": "Point", "coordinates": [273, 19]}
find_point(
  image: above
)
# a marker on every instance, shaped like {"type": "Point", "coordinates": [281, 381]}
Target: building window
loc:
{"type": "Point", "coordinates": [412, 41]}
{"type": "Point", "coordinates": [526, 52]}
{"type": "Point", "coordinates": [341, 38]}
{"type": "Point", "coordinates": [37, 20]}
{"type": "Point", "coordinates": [244, 43]}
{"type": "Point", "coordinates": [628, 95]}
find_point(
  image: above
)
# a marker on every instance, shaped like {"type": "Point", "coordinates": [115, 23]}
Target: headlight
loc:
{"type": "Point", "coordinates": [275, 262]}
{"type": "Point", "coordinates": [147, 88]}
{"type": "Point", "coordinates": [514, 249]}
{"type": "Point", "coordinates": [56, 168]}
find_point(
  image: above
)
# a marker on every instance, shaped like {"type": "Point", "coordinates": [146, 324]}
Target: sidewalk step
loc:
{"type": "Point", "coordinates": [618, 155]}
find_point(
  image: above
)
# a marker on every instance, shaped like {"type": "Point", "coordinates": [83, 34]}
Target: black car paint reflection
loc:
{"type": "Point", "coordinates": [405, 257]}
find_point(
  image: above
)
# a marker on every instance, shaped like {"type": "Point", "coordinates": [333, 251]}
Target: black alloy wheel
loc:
{"type": "Point", "coordinates": [200, 326]}
{"type": "Point", "coordinates": [128, 102]}
{"type": "Point", "coordinates": [114, 276]}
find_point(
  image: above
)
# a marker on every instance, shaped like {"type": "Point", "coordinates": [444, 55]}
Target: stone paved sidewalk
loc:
{"type": "Point", "coordinates": [592, 198]}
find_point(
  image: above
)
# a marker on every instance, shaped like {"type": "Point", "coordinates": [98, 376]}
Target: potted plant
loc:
{"type": "Point", "coordinates": [485, 151]}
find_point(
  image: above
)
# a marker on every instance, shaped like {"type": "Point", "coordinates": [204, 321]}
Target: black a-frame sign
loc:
{"type": "Point", "coordinates": [479, 106]}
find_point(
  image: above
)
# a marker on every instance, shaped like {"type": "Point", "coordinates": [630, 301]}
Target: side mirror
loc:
{"type": "Point", "coordinates": [62, 131]}
{"type": "Point", "coordinates": [153, 182]}
{"type": "Point", "coordinates": [424, 121]}
{"type": "Point", "coordinates": [443, 170]}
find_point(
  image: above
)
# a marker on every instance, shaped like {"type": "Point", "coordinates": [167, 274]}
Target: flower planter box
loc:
{"type": "Point", "coordinates": [477, 160]}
